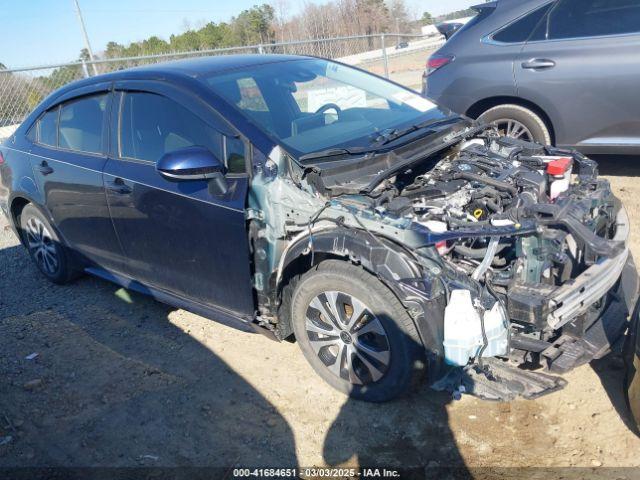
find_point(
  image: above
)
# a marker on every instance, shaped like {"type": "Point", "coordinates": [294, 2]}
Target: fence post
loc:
{"type": "Point", "coordinates": [85, 70]}
{"type": "Point", "coordinates": [260, 49]}
{"type": "Point", "coordinates": [385, 61]}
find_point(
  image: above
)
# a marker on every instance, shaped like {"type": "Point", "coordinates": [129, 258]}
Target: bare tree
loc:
{"type": "Point", "coordinates": [400, 15]}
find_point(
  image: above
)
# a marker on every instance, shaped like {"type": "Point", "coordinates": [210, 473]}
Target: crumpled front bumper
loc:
{"type": "Point", "coordinates": [576, 297]}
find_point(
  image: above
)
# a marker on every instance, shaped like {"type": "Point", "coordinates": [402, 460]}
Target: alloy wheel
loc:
{"type": "Point", "coordinates": [514, 129]}
{"type": "Point", "coordinates": [347, 337]}
{"type": "Point", "coordinates": [42, 246]}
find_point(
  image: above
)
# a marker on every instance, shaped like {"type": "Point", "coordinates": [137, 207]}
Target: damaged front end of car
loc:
{"type": "Point", "coordinates": [506, 254]}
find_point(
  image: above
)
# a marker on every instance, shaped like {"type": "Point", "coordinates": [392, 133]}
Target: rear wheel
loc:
{"type": "Point", "coordinates": [518, 122]}
{"type": "Point", "coordinates": [44, 247]}
{"type": "Point", "coordinates": [355, 333]}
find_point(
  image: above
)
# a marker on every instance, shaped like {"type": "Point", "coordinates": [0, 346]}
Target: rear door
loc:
{"type": "Point", "coordinates": [176, 235]}
{"type": "Point", "coordinates": [67, 159]}
{"type": "Point", "coordinates": [581, 66]}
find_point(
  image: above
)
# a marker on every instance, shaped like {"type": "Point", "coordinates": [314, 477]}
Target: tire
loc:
{"type": "Point", "coordinates": [51, 257]}
{"type": "Point", "coordinates": [380, 354]}
{"type": "Point", "coordinates": [537, 130]}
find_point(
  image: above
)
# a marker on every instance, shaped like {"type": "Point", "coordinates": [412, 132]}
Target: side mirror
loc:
{"type": "Point", "coordinates": [194, 163]}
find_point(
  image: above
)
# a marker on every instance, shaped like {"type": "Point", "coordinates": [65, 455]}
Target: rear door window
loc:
{"type": "Point", "coordinates": [520, 30]}
{"type": "Point", "coordinates": [152, 125]}
{"type": "Point", "coordinates": [593, 18]}
{"type": "Point", "coordinates": [81, 124]}
{"type": "Point", "coordinates": [48, 128]}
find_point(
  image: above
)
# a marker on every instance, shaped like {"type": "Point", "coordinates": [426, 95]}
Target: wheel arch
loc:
{"type": "Point", "coordinates": [481, 106]}
{"type": "Point", "coordinates": [18, 202]}
{"type": "Point", "coordinates": [16, 206]}
{"type": "Point", "coordinates": [388, 261]}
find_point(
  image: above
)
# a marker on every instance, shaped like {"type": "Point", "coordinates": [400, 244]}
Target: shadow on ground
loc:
{"type": "Point", "coordinates": [618, 165]}
{"type": "Point", "coordinates": [618, 370]}
{"type": "Point", "coordinates": [416, 430]}
{"type": "Point", "coordinates": [611, 371]}
{"type": "Point", "coordinates": [116, 384]}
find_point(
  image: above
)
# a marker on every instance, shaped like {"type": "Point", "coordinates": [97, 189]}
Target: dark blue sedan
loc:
{"type": "Point", "coordinates": [309, 200]}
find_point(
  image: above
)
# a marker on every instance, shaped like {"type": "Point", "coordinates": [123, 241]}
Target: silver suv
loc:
{"type": "Point", "coordinates": [564, 72]}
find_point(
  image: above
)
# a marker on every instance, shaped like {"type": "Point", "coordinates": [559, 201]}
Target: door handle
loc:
{"type": "Point", "coordinates": [119, 187]}
{"type": "Point", "coordinates": [44, 168]}
{"type": "Point", "coordinates": [538, 64]}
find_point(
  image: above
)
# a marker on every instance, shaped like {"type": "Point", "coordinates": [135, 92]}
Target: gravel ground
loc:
{"type": "Point", "coordinates": [121, 380]}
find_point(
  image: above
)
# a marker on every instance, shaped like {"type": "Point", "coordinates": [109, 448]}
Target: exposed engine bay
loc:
{"type": "Point", "coordinates": [521, 245]}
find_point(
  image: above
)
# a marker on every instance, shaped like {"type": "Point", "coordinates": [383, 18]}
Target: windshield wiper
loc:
{"type": "Point", "coordinates": [333, 152]}
{"type": "Point", "coordinates": [380, 141]}
{"type": "Point", "coordinates": [393, 135]}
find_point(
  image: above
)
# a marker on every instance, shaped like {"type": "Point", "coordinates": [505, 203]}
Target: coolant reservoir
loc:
{"type": "Point", "coordinates": [497, 329]}
{"type": "Point", "coordinates": [463, 331]}
{"type": "Point", "coordinates": [559, 170]}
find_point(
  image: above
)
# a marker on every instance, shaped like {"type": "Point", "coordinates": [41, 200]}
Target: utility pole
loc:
{"type": "Point", "coordinates": [86, 37]}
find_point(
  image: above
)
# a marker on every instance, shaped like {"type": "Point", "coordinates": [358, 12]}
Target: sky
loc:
{"type": "Point", "coordinates": [37, 32]}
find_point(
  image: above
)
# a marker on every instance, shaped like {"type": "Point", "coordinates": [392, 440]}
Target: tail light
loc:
{"type": "Point", "coordinates": [1, 159]}
{"type": "Point", "coordinates": [438, 61]}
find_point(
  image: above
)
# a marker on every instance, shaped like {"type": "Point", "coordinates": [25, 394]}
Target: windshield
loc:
{"type": "Point", "coordinates": [312, 105]}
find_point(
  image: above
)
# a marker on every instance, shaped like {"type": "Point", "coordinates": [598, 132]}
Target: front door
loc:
{"type": "Point", "coordinates": [67, 159]}
{"type": "Point", "coordinates": [176, 235]}
{"type": "Point", "coordinates": [581, 67]}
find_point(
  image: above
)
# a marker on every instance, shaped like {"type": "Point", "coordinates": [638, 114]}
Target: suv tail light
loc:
{"type": "Point", "coordinates": [1, 159]}
{"type": "Point", "coordinates": [438, 61]}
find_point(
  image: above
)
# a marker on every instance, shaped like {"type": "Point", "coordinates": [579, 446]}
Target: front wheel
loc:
{"type": "Point", "coordinates": [355, 333]}
{"type": "Point", "coordinates": [517, 122]}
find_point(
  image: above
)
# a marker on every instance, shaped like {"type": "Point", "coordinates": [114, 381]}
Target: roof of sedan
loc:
{"type": "Point", "coordinates": [185, 68]}
{"type": "Point", "coordinates": [209, 65]}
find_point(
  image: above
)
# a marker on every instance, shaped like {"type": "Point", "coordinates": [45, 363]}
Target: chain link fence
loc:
{"type": "Point", "coordinates": [391, 55]}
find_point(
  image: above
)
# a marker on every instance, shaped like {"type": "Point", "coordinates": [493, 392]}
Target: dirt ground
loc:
{"type": "Point", "coordinates": [121, 380]}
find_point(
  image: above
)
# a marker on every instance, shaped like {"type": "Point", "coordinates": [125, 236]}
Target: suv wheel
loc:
{"type": "Point", "coordinates": [517, 122]}
{"type": "Point", "coordinates": [44, 246]}
{"type": "Point", "coordinates": [355, 333]}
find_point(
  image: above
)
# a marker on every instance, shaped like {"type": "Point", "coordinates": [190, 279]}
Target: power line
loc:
{"type": "Point", "coordinates": [146, 10]}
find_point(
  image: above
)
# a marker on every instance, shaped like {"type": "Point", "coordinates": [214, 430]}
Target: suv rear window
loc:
{"type": "Point", "coordinates": [520, 30]}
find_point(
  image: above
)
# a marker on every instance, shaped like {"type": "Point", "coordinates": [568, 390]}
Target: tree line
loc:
{"type": "Point", "coordinates": [271, 22]}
